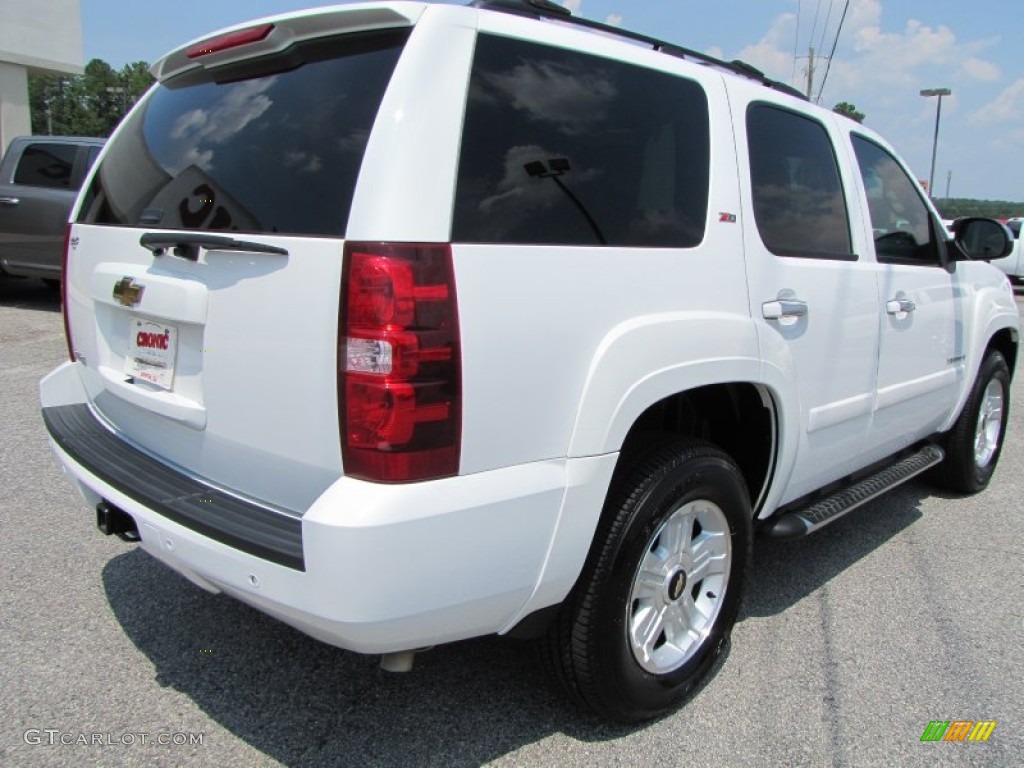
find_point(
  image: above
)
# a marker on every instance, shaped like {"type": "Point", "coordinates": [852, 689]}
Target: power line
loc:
{"type": "Point", "coordinates": [835, 42]}
{"type": "Point", "coordinates": [814, 27]}
{"type": "Point", "coordinates": [824, 29]}
{"type": "Point", "coordinates": [796, 41]}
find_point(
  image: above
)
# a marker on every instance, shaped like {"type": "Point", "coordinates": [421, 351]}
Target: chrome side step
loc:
{"type": "Point", "coordinates": [821, 512]}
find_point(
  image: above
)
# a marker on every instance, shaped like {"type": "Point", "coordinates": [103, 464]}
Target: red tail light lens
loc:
{"type": "Point", "coordinates": [230, 40]}
{"type": "Point", "coordinates": [399, 377]}
{"type": "Point", "coordinates": [64, 291]}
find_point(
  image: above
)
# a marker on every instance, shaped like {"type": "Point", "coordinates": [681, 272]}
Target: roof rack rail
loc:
{"type": "Point", "coordinates": [540, 9]}
{"type": "Point", "coordinates": [535, 8]}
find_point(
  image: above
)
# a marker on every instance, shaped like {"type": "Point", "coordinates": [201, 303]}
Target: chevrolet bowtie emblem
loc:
{"type": "Point", "coordinates": [128, 292]}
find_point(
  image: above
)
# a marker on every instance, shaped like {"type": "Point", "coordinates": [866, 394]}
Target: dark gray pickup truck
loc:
{"type": "Point", "coordinates": [39, 180]}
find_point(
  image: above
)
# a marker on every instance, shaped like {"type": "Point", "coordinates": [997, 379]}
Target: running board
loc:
{"type": "Point", "coordinates": [819, 513]}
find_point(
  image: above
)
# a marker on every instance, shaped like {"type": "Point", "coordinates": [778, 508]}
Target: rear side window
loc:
{"type": "Point", "coordinates": [564, 148]}
{"type": "Point", "coordinates": [46, 165]}
{"type": "Point", "coordinates": [275, 148]}
{"type": "Point", "coordinates": [798, 198]}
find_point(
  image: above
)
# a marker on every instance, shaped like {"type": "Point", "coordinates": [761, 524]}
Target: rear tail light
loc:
{"type": "Point", "coordinates": [64, 291]}
{"type": "Point", "coordinates": [399, 374]}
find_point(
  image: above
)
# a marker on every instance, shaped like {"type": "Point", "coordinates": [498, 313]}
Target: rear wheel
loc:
{"type": "Point", "coordinates": [661, 588]}
{"type": "Point", "coordinates": [974, 443]}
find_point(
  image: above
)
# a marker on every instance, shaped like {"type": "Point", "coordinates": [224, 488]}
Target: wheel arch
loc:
{"type": "Point", "coordinates": [1006, 342]}
{"type": "Point", "coordinates": [738, 417]}
{"type": "Point", "coordinates": [991, 322]}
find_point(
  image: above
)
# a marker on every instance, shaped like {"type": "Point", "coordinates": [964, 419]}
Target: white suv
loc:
{"type": "Point", "coordinates": [1013, 265]}
{"type": "Point", "coordinates": [408, 323]}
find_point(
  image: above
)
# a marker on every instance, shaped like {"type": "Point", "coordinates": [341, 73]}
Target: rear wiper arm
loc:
{"type": "Point", "coordinates": [187, 245]}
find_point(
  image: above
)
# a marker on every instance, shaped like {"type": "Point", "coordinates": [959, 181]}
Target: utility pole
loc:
{"type": "Point", "coordinates": [813, 60]}
{"type": "Point", "coordinates": [949, 178]}
{"type": "Point", "coordinates": [810, 71]}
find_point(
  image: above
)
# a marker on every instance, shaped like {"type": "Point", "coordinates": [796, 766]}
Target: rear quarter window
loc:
{"type": "Point", "coordinates": [275, 148]}
{"type": "Point", "coordinates": [561, 147]}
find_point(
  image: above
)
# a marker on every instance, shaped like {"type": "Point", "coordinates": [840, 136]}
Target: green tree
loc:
{"type": "Point", "coordinates": [90, 104]}
{"type": "Point", "coordinates": [955, 207]}
{"type": "Point", "coordinates": [848, 109]}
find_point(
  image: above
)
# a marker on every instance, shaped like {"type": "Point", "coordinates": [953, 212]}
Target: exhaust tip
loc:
{"type": "Point", "coordinates": [397, 662]}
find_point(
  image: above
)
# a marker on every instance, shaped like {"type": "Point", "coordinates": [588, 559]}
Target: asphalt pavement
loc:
{"type": "Point", "coordinates": [909, 610]}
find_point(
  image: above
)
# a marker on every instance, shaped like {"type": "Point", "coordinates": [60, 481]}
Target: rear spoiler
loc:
{"type": "Point", "coordinates": [275, 34]}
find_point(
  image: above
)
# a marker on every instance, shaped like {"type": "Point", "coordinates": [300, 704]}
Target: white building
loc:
{"type": "Point", "coordinates": [35, 36]}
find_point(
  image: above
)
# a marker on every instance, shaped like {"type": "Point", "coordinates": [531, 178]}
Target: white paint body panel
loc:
{"type": "Point", "coordinates": [563, 348]}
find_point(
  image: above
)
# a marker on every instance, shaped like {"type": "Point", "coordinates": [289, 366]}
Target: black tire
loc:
{"type": "Point", "coordinates": [592, 647]}
{"type": "Point", "coordinates": [968, 466]}
{"type": "Point", "coordinates": [53, 285]}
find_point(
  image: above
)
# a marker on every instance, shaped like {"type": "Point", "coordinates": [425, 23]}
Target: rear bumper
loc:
{"type": "Point", "coordinates": [267, 532]}
{"type": "Point", "coordinates": [368, 567]}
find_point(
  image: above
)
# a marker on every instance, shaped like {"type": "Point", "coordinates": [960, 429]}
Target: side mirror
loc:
{"type": "Point", "coordinates": [982, 239]}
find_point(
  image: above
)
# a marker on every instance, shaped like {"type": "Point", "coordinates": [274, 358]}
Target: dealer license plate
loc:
{"type": "Point", "coordinates": [152, 348]}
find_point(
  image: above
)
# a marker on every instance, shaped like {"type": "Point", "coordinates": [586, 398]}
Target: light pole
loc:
{"type": "Point", "coordinates": [940, 92]}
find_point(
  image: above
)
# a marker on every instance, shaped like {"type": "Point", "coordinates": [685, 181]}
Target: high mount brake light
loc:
{"type": "Point", "coordinates": [399, 376]}
{"type": "Point", "coordinates": [230, 40]}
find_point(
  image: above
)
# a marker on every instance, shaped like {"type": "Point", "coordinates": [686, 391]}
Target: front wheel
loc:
{"type": "Point", "coordinates": [974, 443]}
{"type": "Point", "coordinates": [660, 591]}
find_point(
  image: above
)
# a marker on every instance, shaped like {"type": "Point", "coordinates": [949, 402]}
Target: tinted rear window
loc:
{"type": "Point", "coordinates": [565, 148]}
{"type": "Point", "coordinates": [276, 149]}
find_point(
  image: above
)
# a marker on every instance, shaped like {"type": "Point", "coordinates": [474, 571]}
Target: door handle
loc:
{"type": "Point", "coordinates": [898, 306]}
{"type": "Point", "coordinates": [9, 200]}
{"type": "Point", "coordinates": [782, 308]}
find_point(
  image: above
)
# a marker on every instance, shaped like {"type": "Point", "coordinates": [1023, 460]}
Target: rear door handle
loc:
{"type": "Point", "coordinates": [782, 308]}
{"type": "Point", "coordinates": [898, 306]}
{"type": "Point", "coordinates": [9, 200]}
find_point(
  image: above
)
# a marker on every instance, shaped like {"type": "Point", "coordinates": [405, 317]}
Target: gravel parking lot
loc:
{"type": "Point", "coordinates": [908, 610]}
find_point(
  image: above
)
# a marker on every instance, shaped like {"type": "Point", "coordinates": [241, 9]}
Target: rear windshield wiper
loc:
{"type": "Point", "coordinates": [187, 245]}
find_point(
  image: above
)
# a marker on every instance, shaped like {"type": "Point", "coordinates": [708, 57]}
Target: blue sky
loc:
{"type": "Point", "coordinates": [887, 52]}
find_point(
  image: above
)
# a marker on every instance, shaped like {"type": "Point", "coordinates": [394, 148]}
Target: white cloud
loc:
{"type": "Point", "coordinates": [573, 99]}
{"type": "Point", "coordinates": [872, 61]}
{"type": "Point", "coordinates": [902, 53]}
{"type": "Point", "coordinates": [1010, 141]}
{"type": "Point", "coordinates": [864, 13]}
{"type": "Point", "coordinates": [237, 108]}
{"type": "Point", "coordinates": [574, 5]}
{"type": "Point", "coordinates": [302, 162]}
{"type": "Point", "coordinates": [982, 71]}
{"type": "Point", "coordinates": [614, 19]}
{"type": "Point", "coordinates": [1007, 107]}
{"type": "Point", "coordinates": [773, 54]}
